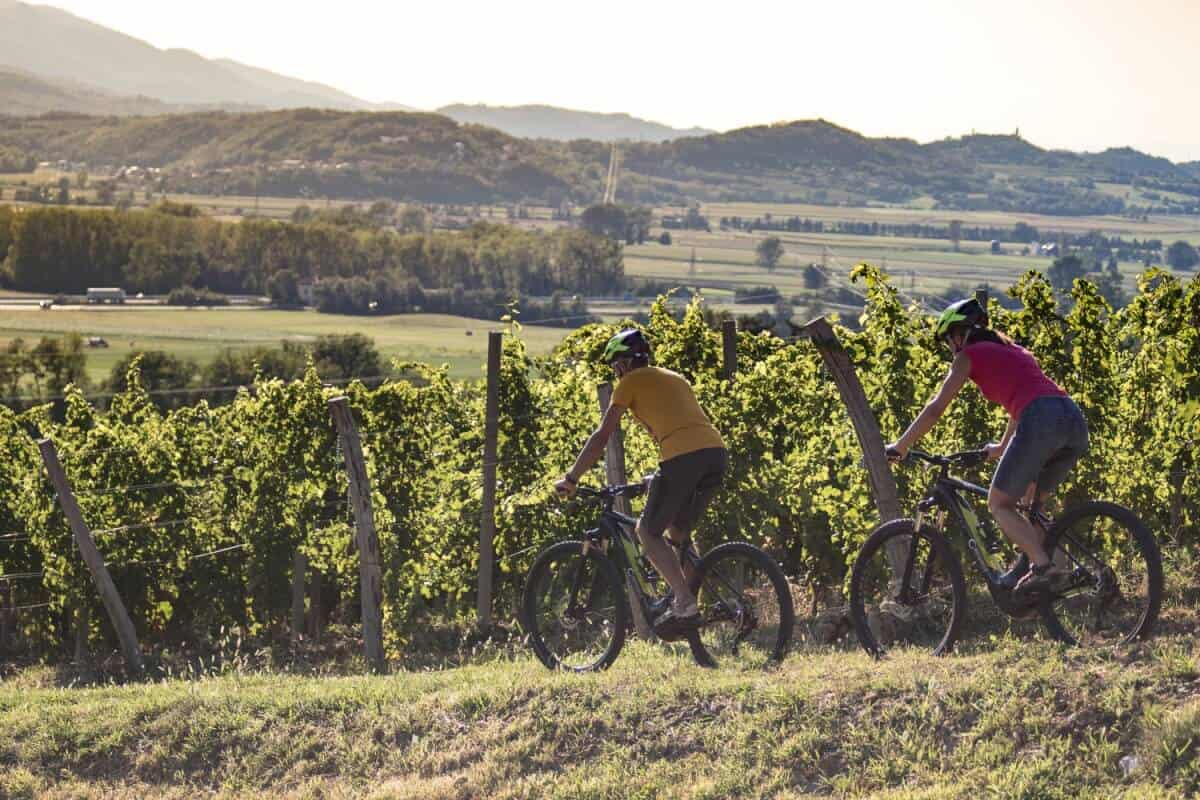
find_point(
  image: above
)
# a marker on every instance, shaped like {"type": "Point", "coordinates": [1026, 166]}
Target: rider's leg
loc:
{"type": "Point", "coordinates": [1004, 510]}
{"type": "Point", "coordinates": [666, 561]}
{"type": "Point", "coordinates": [680, 537]}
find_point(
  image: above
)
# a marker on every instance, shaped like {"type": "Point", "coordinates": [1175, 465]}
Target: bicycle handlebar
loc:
{"type": "Point", "coordinates": [610, 492]}
{"type": "Point", "coordinates": [966, 458]}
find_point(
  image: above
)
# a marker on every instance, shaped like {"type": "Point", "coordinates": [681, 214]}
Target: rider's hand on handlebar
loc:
{"type": "Point", "coordinates": [993, 451]}
{"type": "Point", "coordinates": [565, 487]}
{"type": "Point", "coordinates": [895, 452]}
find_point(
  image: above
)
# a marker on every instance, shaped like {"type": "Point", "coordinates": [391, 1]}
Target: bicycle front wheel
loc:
{"type": "Point", "coordinates": [1116, 579]}
{"type": "Point", "coordinates": [746, 610]}
{"type": "Point", "coordinates": [573, 609]}
{"type": "Point", "coordinates": [907, 589]}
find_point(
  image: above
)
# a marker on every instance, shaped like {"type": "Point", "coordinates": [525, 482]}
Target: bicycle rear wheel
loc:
{"type": "Point", "coordinates": [1117, 581]}
{"type": "Point", "coordinates": [573, 609]}
{"type": "Point", "coordinates": [746, 610]}
{"type": "Point", "coordinates": [929, 614]}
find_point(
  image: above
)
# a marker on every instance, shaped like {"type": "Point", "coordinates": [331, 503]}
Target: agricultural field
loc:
{"type": "Point", "coordinates": [199, 333]}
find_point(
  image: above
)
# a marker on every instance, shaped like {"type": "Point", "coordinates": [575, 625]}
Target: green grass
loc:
{"type": "Point", "coordinates": [200, 333]}
{"type": "Point", "coordinates": [1012, 719]}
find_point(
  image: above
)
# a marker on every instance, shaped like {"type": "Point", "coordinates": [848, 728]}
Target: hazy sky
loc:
{"type": "Point", "coordinates": [1078, 74]}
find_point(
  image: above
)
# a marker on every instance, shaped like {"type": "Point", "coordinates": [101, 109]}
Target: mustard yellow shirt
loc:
{"type": "Point", "coordinates": [663, 401]}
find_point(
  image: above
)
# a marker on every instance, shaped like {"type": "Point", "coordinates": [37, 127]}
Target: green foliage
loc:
{"type": "Point", "coordinates": [1181, 255]}
{"type": "Point", "coordinates": [68, 250]}
{"type": "Point", "coordinates": [262, 474]}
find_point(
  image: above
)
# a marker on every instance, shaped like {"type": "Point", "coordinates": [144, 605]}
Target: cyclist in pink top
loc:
{"type": "Point", "coordinates": [1046, 432]}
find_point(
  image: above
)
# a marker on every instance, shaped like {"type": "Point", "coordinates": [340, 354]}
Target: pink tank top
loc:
{"type": "Point", "coordinates": [1009, 375]}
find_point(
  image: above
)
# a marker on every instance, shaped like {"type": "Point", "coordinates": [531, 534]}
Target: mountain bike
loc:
{"type": "Point", "coordinates": [907, 584]}
{"type": "Point", "coordinates": [583, 597]}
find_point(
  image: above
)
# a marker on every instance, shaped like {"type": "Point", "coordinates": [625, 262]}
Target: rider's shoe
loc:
{"type": "Point", "coordinates": [674, 623]}
{"type": "Point", "coordinates": [657, 607]}
{"type": "Point", "coordinates": [1042, 578]}
{"type": "Point", "coordinates": [1010, 579]}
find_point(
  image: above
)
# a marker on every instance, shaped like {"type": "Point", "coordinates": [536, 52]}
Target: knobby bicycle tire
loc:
{"type": "Point", "coordinates": [708, 568]}
{"type": "Point", "coordinates": [605, 580]}
{"type": "Point", "coordinates": [942, 552]}
{"type": "Point", "coordinates": [1147, 546]}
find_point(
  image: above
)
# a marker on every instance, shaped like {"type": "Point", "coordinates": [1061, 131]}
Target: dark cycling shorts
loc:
{"type": "Point", "coordinates": [1051, 436]}
{"type": "Point", "coordinates": [681, 490]}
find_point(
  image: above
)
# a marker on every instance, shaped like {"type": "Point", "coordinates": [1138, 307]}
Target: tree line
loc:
{"type": "Point", "coordinates": [65, 250]}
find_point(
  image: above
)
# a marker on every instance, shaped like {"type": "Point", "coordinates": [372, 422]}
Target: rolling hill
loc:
{"type": "Point", "coordinates": [549, 122]}
{"type": "Point", "coordinates": [24, 94]}
{"type": "Point", "coordinates": [429, 157]}
{"type": "Point", "coordinates": [55, 45]}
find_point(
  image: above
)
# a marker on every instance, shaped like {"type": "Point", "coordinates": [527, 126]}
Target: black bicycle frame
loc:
{"type": "Point", "coordinates": [945, 493]}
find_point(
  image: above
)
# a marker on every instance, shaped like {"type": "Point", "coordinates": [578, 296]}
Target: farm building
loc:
{"type": "Point", "coordinates": [105, 295]}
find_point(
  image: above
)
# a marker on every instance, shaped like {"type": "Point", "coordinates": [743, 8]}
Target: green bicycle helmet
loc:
{"type": "Point", "coordinates": [966, 313]}
{"type": "Point", "coordinates": [629, 343]}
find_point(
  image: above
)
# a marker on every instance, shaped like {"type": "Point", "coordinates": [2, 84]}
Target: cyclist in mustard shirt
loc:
{"type": "Point", "coordinates": [692, 461]}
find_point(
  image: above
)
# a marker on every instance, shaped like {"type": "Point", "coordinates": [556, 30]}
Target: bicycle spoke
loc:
{"type": "Point", "coordinates": [920, 606]}
{"type": "Point", "coordinates": [1110, 596]}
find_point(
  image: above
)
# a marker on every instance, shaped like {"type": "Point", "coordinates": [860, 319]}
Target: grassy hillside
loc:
{"type": "Point", "coordinates": [1011, 719]}
{"type": "Point", "coordinates": [431, 158]}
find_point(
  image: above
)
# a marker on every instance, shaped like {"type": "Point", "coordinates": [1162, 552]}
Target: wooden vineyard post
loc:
{"type": "Point", "coordinates": [487, 521]}
{"type": "Point", "coordinates": [614, 452]}
{"type": "Point", "coordinates": [299, 568]}
{"type": "Point", "coordinates": [866, 427]}
{"type": "Point", "coordinates": [117, 614]}
{"type": "Point", "coordinates": [369, 572]}
{"type": "Point", "coordinates": [729, 349]}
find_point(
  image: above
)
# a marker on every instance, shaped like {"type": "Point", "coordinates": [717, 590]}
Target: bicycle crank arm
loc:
{"type": "Point", "coordinates": [640, 623]}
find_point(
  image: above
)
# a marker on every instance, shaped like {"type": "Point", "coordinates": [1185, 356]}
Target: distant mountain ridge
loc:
{"type": "Point", "coordinates": [55, 46]}
{"type": "Point", "coordinates": [564, 124]}
{"type": "Point", "coordinates": [25, 94]}
{"type": "Point", "coordinates": [428, 157]}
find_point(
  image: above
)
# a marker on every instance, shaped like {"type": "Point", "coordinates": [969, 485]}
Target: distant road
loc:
{"type": "Point", "coordinates": [157, 303]}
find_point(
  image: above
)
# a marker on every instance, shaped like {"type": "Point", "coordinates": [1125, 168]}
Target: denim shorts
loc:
{"type": "Point", "coordinates": [1051, 436]}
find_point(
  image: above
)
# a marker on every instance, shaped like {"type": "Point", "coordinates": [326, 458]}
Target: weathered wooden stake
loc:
{"type": "Point", "coordinates": [91, 556]}
{"type": "Point", "coordinates": [729, 348]}
{"type": "Point", "coordinates": [7, 623]}
{"type": "Point", "coordinates": [315, 609]}
{"type": "Point", "coordinates": [83, 622]}
{"type": "Point", "coordinates": [866, 427]}
{"type": "Point", "coordinates": [614, 453]}
{"type": "Point", "coordinates": [487, 521]}
{"type": "Point", "coordinates": [369, 572]}
{"type": "Point", "coordinates": [299, 569]}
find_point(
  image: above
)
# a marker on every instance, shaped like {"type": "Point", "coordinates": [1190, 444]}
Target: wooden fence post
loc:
{"type": "Point", "coordinates": [299, 568]}
{"type": "Point", "coordinates": [487, 521]}
{"type": "Point", "coordinates": [614, 452]}
{"type": "Point", "coordinates": [866, 427]}
{"type": "Point", "coordinates": [121, 622]}
{"type": "Point", "coordinates": [729, 348]}
{"type": "Point", "coordinates": [369, 572]}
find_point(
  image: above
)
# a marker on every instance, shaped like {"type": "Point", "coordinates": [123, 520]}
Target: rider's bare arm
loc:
{"type": "Point", "coordinates": [994, 451]}
{"type": "Point", "coordinates": [592, 450]}
{"type": "Point", "coordinates": [960, 370]}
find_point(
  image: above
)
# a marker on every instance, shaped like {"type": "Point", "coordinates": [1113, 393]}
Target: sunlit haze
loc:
{"type": "Point", "coordinates": [1070, 74]}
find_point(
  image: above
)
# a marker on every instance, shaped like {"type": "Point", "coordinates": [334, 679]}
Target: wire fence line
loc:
{"type": "Point", "coordinates": [231, 387]}
{"type": "Point", "coordinates": [21, 576]}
